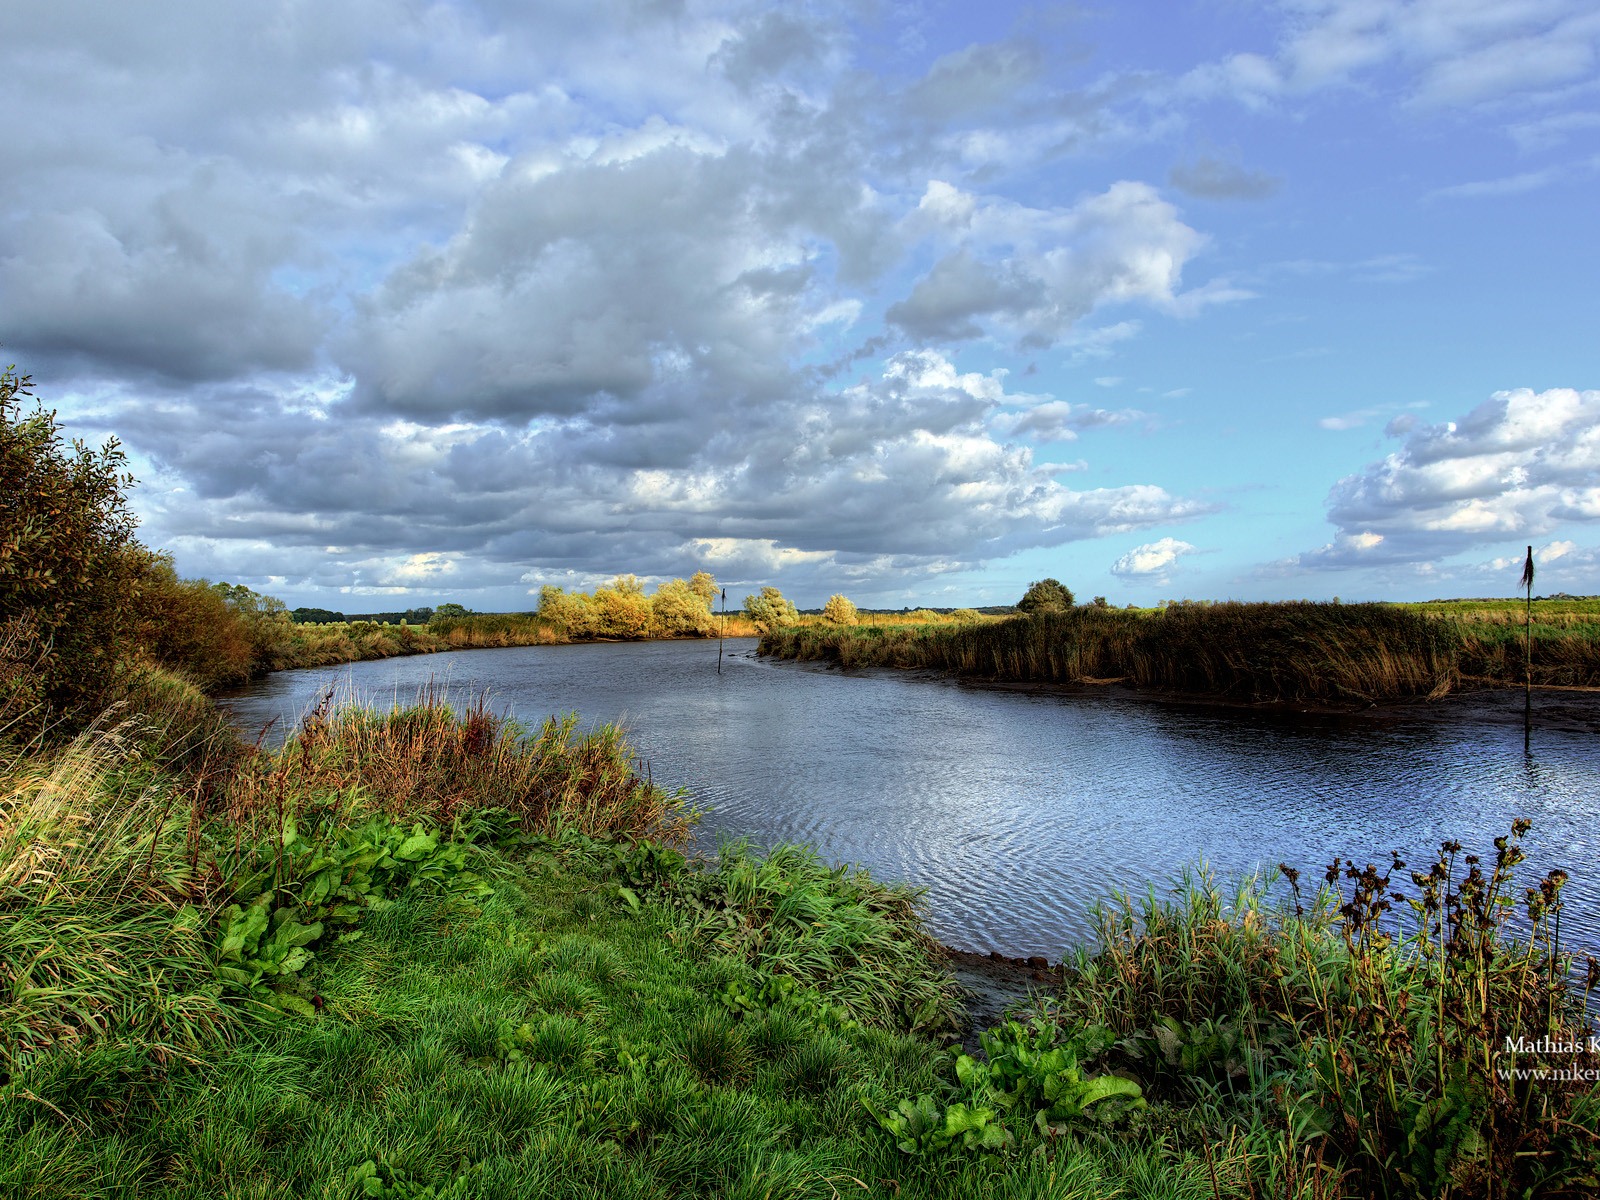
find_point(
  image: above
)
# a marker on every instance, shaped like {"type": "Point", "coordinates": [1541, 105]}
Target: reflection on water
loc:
{"type": "Point", "coordinates": [1017, 810]}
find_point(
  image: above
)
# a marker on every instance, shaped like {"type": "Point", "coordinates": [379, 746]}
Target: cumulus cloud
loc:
{"type": "Point", "coordinates": [1517, 466]}
{"type": "Point", "coordinates": [402, 296]}
{"type": "Point", "coordinates": [1152, 562]}
{"type": "Point", "coordinates": [1033, 273]}
{"type": "Point", "coordinates": [906, 472]}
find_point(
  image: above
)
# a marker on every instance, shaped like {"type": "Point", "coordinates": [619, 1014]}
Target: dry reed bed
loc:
{"type": "Point", "coordinates": [1285, 653]}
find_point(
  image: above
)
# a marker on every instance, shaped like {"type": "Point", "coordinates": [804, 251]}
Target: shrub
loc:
{"type": "Point", "coordinates": [1045, 595]}
{"type": "Point", "coordinates": [68, 558]}
{"type": "Point", "coordinates": [680, 609]}
{"type": "Point", "coordinates": [770, 610]}
{"type": "Point", "coordinates": [573, 613]}
{"type": "Point", "coordinates": [187, 626]}
{"type": "Point", "coordinates": [839, 611]}
{"type": "Point", "coordinates": [623, 610]}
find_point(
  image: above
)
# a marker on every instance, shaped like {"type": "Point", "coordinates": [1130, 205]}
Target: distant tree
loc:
{"type": "Point", "coordinates": [323, 616]}
{"type": "Point", "coordinates": [627, 585]}
{"type": "Point", "coordinates": [839, 611]}
{"type": "Point", "coordinates": [704, 585]}
{"type": "Point", "coordinates": [250, 604]}
{"type": "Point", "coordinates": [967, 616]}
{"type": "Point", "coordinates": [1045, 595]}
{"type": "Point", "coordinates": [770, 610]}
{"type": "Point", "coordinates": [623, 611]}
{"type": "Point", "coordinates": [1100, 602]}
{"type": "Point", "coordinates": [452, 610]}
{"type": "Point", "coordinates": [680, 610]}
{"type": "Point", "coordinates": [417, 616]}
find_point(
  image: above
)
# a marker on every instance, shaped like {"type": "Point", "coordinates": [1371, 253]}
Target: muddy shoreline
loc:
{"type": "Point", "coordinates": [993, 983]}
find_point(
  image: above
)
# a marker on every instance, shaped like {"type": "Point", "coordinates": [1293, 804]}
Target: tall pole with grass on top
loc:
{"type": "Point", "coordinates": [1527, 660]}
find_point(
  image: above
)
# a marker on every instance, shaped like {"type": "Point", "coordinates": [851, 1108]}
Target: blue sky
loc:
{"type": "Point", "coordinates": [407, 302]}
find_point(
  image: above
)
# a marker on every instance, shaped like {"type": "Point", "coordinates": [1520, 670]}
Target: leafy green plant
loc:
{"type": "Point", "coordinates": [1030, 1069]}
{"type": "Point", "coordinates": [321, 882]}
{"type": "Point", "coordinates": [921, 1126]}
{"type": "Point", "coordinates": [392, 1183]}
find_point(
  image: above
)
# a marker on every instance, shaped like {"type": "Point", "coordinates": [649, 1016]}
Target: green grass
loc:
{"type": "Point", "coordinates": [552, 1041]}
{"type": "Point", "coordinates": [1257, 653]}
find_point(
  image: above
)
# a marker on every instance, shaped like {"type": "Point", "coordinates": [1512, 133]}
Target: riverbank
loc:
{"type": "Point", "coordinates": [1299, 654]}
{"type": "Point", "coordinates": [414, 953]}
{"type": "Point", "coordinates": [293, 646]}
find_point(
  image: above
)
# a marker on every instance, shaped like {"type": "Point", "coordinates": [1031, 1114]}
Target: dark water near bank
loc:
{"type": "Point", "coordinates": [1017, 810]}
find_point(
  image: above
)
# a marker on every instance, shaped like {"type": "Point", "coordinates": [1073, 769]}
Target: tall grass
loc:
{"type": "Point", "coordinates": [98, 935]}
{"type": "Point", "coordinates": [424, 760]}
{"type": "Point", "coordinates": [1368, 1031]}
{"type": "Point", "coordinates": [1290, 652]}
{"type": "Point", "coordinates": [790, 914]}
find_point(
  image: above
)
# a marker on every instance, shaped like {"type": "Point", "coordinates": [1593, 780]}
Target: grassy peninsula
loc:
{"type": "Point", "coordinates": [1297, 652]}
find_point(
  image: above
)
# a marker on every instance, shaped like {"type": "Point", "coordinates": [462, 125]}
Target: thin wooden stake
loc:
{"type": "Point", "coordinates": [722, 627]}
{"type": "Point", "coordinates": [1527, 662]}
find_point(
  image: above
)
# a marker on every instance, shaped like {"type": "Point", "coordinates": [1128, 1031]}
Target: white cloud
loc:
{"type": "Point", "coordinates": [1151, 562]}
{"type": "Point", "coordinates": [1519, 184]}
{"type": "Point", "coordinates": [1061, 421]}
{"type": "Point", "coordinates": [1518, 466]}
{"type": "Point", "coordinates": [1459, 51]}
{"type": "Point", "coordinates": [1033, 273]}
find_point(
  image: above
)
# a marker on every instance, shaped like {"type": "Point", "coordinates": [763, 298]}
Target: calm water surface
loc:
{"type": "Point", "coordinates": [1017, 810]}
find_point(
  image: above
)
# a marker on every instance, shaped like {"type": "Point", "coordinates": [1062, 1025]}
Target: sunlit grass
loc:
{"type": "Point", "coordinates": [1294, 652]}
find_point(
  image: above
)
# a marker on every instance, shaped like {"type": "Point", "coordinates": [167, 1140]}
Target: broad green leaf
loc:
{"type": "Point", "coordinates": [415, 846]}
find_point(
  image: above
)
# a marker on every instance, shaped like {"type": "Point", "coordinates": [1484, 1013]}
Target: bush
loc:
{"type": "Point", "coordinates": [769, 610]}
{"type": "Point", "coordinates": [1045, 595]}
{"type": "Point", "coordinates": [186, 625]}
{"type": "Point", "coordinates": [682, 610]}
{"type": "Point", "coordinates": [839, 611]}
{"type": "Point", "coordinates": [623, 610]}
{"type": "Point", "coordinates": [68, 559]}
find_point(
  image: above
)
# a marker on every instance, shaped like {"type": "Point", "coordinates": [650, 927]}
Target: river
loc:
{"type": "Point", "coordinates": [1017, 810]}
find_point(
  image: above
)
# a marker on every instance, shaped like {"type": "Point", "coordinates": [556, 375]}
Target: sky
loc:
{"type": "Point", "coordinates": [393, 302]}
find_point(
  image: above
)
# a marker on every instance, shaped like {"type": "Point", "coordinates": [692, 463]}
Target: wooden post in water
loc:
{"type": "Point", "coordinates": [1527, 659]}
{"type": "Point", "coordinates": [721, 629]}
